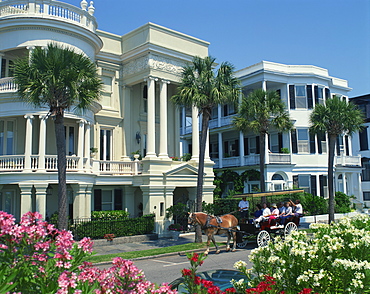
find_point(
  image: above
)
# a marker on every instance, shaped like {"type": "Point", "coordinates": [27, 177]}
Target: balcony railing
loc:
{"type": "Point", "coordinates": [17, 163]}
{"type": "Point", "coordinates": [50, 9]}
{"type": "Point", "coordinates": [7, 84]}
{"type": "Point", "coordinates": [279, 158]}
{"type": "Point", "coordinates": [348, 160]}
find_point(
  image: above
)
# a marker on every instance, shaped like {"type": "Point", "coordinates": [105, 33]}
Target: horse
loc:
{"type": "Point", "coordinates": [212, 225]}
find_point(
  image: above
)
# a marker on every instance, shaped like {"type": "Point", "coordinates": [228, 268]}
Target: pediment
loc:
{"type": "Point", "coordinates": [183, 169]}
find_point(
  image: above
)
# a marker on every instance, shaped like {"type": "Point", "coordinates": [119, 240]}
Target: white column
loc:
{"type": "Point", "coordinates": [79, 200]}
{"type": "Point", "coordinates": [183, 120]}
{"type": "Point", "coordinates": [219, 114]}
{"type": "Point", "coordinates": [26, 198]}
{"type": "Point", "coordinates": [344, 179]}
{"type": "Point", "coordinates": [80, 150]}
{"type": "Point", "coordinates": [264, 86]}
{"type": "Point", "coordinates": [41, 198]}
{"type": "Point", "coordinates": [220, 150]}
{"type": "Point", "coordinates": [28, 143]}
{"type": "Point", "coordinates": [87, 205]}
{"type": "Point", "coordinates": [267, 153]}
{"type": "Point", "coordinates": [206, 154]}
{"type": "Point", "coordinates": [151, 118]}
{"type": "Point", "coordinates": [241, 148]}
{"type": "Point", "coordinates": [87, 139]}
{"type": "Point", "coordinates": [42, 142]}
{"type": "Point", "coordinates": [163, 153]}
{"type": "Point", "coordinates": [195, 133]}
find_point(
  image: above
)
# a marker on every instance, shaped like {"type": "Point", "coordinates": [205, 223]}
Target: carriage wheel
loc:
{"type": "Point", "coordinates": [289, 228]}
{"type": "Point", "coordinates": [263, 238]}
{"type": "Point", "coordinates": [243, 242]}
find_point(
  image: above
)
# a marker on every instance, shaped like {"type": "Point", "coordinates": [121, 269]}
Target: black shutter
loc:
{"type": "Point", "coordinates": [312, 143]}
{"type": "Point", "coordinates": [313, 185]}
{"type": "Point", "coordinates": [316, 90]}
{"type": "Point", "coordinates": [294, 141]}
{"type": "Point", "coordinates": [327, 93]}
{"type": "Point", "coordinates": [364, 145]}
{"type": "Point", "coordinates": [278, 91]}
{"type": "Point", "coordinates": [338, 146]}
{"type": "Point", "coordinates": [320, 139]}
{"type": "Point", "coordinates": [269, 141]}
{"type": "Point", "coordinates": [237, 153]}
{"type": "Point", "coordinates": [346, 144]}
{"type": "Point", "coordinates": [226, 148]}
{"type": "Point", "coordinates": [292, 96]}
{"type": "Point", "coordinates": [295, 181]}
{"type": "Point", "coordinates": [309, 97]}
{"type": "Point", "coordinates": [258, 145]}
{"type": "Point", "coordinates": [118, 203]}
{"type": "Point", "coordinates": [280, 139]}
{"type": "Point", "coordinates": [97, 200]}
{"type": "Point", "coordinates": [246, 147]}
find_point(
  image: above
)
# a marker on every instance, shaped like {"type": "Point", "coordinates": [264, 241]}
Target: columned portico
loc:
{"type": "Point", "coordinates": [151, 118]}
{"type": "Point", "coordinates": [41, 198]}
{"type": "Point", "coordinates": [26, 197]}
{"type": "Point", "coordinates": [163, 153]}
{"type": "Point", "coordinates": [28, 143]}
{"type": "Point", "coordinates": [195, 133]}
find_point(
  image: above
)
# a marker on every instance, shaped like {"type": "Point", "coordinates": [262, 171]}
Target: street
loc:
{"type": "Point", "coordinates": [166, 269]}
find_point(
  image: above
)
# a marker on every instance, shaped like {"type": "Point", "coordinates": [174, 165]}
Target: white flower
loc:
{"type": "Point", "coordinates": [239, 265]}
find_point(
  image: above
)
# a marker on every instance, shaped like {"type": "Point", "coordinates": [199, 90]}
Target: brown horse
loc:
{"type": "Point", "coordinates": [211, 226]}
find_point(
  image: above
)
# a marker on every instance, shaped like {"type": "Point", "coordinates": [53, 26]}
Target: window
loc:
{"type": "Point", "coordinates": [278, 182]}
{"type": "Point", "coordinates": [228, 109]}
{"type": "Point", "coordinates": [365, 175]}
{"type": "Point", "coordinates": [7, 201]}
{"type": "Point", "coordinates": [214, 114]}
{"type": "Point", "coordinates": [231, 148]}
{"type": "Point", "coordinates": [70, 140]}
{"type": "Point", "coordinates": [108, 200]}
{"type": "Point", "coordinates": [105, 144]}
{"type": "Point", "coordinates": [106, 92]}
{"type": "Point", "coordinates": [323, 186]}
{"type": "Point", "coordinates": [303, 140]}
{"type": "Point", "coordinates": [304, 182]}
{"type": "Point", "coordinates": [213, 150]}
{"type": "Point", "coordinates": [364, 145]}
{"type": "Point", "coordinates": [319, 95]}
{"type": "Point", "coordinates": [7, 144]}
{"type": "Point", "coordinates": [321, 141]}
{"type": "Point", "coordinates": [276, 143]}
{"type": "Point", "coordinates": [300, 97]}
{"type": "Point", "coordinates": [254, 145]}
{"type": "Point", "coordinates": [366, 196]}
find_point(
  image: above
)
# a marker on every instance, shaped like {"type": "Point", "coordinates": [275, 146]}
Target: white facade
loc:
{"type": "Point", "coordinates": [305, 160]}
{"type": "Point", "coordinates": [140, 71]}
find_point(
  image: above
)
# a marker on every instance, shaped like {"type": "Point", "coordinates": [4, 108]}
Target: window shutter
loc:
{"type": "Point", "coordinates": [294, 141]}
{"type": "Point", "coordinates": [280, 138]}
{"type": "Point", "coordinates": [313, 185]}
{"type": "Point", "coordinates": [295, 181]}
{"type": "Point", "coordinates": [323, 184]}
{"type": "Point", "coordinates": [226, 148]}
{"type": "Point", "coordinates": [327, 93]}
{"type": "Point", "coordinates": [246, 147]}
{"type": "Point", "coordinates": [364, 145]}
{"type": "Point", "coordinates": [338, 146]}
{"type": "Point", "coordinates": [118, 203]}
{"type": "Point", "coordinates": [346, 144]}
{"type": "Point", "coordinates": [312, 143]}
{"type": "Point", "coordinates": [309, 97]}
{"type": "Point", "coordinates": [97, 200]}
{"type": "Point", "coordinates": [278, 91]}
{"type": "Point", "coordinates": [292, 96]}
{"type": "Point", "coordinates": [237, 153]}
{"type": "Point", "coordinates": [257, 144]}
{"type": "Point", "coordinates": [316, 90]}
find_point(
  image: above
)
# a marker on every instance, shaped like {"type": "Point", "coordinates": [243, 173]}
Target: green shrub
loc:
{"type": "Point", "coordinates": [342, 202]}
{"type": "Point", "coordinates": [110, 214]}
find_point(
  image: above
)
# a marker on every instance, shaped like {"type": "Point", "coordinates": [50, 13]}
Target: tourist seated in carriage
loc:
{"type": "Point", "coordinates": [258, 212]}
{"type": "Point", "coordinates": [266, 212]}
{"type": "Point", "coordinates": [297, 208]}
{"type": "Point", "coordinates": [286, 214]}
{"type": "Point", "coordinates": [281, 208]}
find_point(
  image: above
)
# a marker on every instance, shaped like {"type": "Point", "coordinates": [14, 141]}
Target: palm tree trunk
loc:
{"type": "Point", "coordinates": [262, 163]}
{"type": "Point", "coordinates": [332, 139]}
{"type": "Point", "coordinates": [202, 152]}
{"type": "Point", "coordinates": [62, 175]}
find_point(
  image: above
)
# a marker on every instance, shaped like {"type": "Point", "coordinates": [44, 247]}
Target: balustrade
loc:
{"type": "Point", "coordinates": [7, 85]}
{"type": "Point", "coordinates": [51, 9]}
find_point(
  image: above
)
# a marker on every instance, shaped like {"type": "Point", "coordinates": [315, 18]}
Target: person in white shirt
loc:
{"type": "Point", "coordinates": [244, 208]}
{"type": "Point", "coordinates": [298, 209]}
{"type": "Point", "coordinates": [266, 212]}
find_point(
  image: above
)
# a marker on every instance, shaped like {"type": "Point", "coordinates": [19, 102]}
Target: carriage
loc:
{"type": "Point", "coordinates": [267, 229]}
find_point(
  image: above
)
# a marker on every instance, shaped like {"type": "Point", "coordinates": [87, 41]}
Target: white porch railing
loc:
{"type": "Point", "coordinates": [7, 84]}
{"type": "Point", "coordinates": [348, 160]}
{"type": "Point", "coordinates": [16, 163]}
{"type": "Point", "coordinates": [279, 158]}
{"type": "Point", "coordinates": [51, 9]}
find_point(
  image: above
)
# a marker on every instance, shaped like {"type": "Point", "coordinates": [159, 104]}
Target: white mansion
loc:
{"type": "Point", "coordinates": [140, 71]}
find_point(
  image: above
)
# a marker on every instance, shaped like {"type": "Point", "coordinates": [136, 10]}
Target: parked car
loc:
{"type": "Point", "coordinates": [220, 277]}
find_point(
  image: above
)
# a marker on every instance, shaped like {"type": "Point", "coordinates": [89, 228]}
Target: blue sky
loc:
{"type": "Point", "coordinates": [333, 34]}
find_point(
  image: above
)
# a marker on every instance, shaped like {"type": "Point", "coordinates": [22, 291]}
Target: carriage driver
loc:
{"type": "Point", "coordinates": [244, 208]}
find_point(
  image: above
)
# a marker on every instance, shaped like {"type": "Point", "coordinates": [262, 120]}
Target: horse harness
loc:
{"type": "Point", "coordinates": [218, 220]}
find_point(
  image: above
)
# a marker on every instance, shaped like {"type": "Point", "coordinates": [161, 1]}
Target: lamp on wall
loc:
{"type": "Point", "coordinates": [138, 137]}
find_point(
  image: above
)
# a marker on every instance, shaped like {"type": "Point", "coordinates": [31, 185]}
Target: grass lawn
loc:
{"type": "Point", "coordinates": [149, 252]}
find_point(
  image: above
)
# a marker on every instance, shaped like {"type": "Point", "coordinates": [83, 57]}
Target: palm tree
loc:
{"type": "Point", "coordinates": [335, 118]}
{"type": "Point", "coordinates": [259, 112]}
{"type": "Point", "coordinates": [203, 88]}
{"type": "Point", "coordinates": [60, 79]}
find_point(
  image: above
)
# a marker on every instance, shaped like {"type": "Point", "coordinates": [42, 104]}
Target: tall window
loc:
{"type": "Point", "coordinates": [300, 97]}
{"type": "Point", "coordinates": [302, 182]}
{"type": "Point", "coordinates": [231, 148]}
{"type": "Point", "coordinates": [303, 140]}
{"type": "Point", "coordinates": [364, 145]}
{"type": "Point", "coordinates": [105, 144]}
{"type": "Point", "coordinates": [275, 142]}
{"type": "Point", "coordinates": [319, 95]}
{"type": "Point", "coordinates": [228, 109]}
{"type": "Point", "coordinates": [7, 137]}
{"type": "Point", "coordinates": [366, 196]}
{"type": "Point", "coordinates": [213, 150]}
{"type": "Point", "coordinates": [108, 200]}
{"type": "Point", "coordinates": [106, 92]}
{"type": "Point", "coordinates": [70, 140]}
{"type": "Point", "coordinates": [365, 175]}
